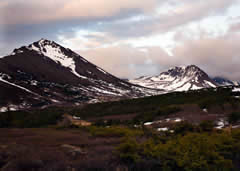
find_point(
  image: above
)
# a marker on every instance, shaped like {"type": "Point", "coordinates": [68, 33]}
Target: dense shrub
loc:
{"type": "Point", "coordinates": [234, 117]}
{"type": "Point", "coordinates": [183, 128]}
{"type": "Point", "coordinates": [150, 116]}
{"type": "Point", "coordinates": [24, 119]}
{"type": "Point", "coordinates": [128, 151]}
{"type": "Point", "coordinates": [206, 125]}
{"type": "Point", "coordinates": [193, 151]}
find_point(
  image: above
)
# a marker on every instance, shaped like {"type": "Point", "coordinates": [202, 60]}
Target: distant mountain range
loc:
{"type": "Point", "coordinates": [182, 79]}
{"type": "Point", "coordinates": [45, 73]}
{"type": "Point", "coordinates": [225, 82]}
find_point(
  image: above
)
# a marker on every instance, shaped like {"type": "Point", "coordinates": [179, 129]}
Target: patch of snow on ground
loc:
{"type": "Point", "coordinates": [205, 110]}
{"type": "Point", "coordinates": [220, 124]}
{"type": "Point", "coordinates": [236, 90]}
{"type": "Point", "coordinates": [178, 120]}
{"type": "Point", "coordinates": [3, 109]}
{"type": "Point", "coordinates": [76, 118]}
{"type": "Point", "coordinates": [54, 100]}
{"type": "Point", "coordinates": [34, 83]}
{"type": "Point", "coordinates": [148, 123]}
{"type": "Point", "coordinates": [162, 129]}
{"type": "Point", "coordinates": [13, 109]}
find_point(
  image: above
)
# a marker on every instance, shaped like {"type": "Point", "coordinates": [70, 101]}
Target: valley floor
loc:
{"type": "Point", "coordinates": [196, 130]}
{"type": "Point", "coordinates": [52, 149]}
{"type": "Point", "coordinates": [119, 148]}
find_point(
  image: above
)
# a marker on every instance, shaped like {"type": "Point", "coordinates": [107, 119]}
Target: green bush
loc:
{"type": "Point", "coordinates": [234, 117]}
{"type": "Point", "coordinates": [193, 151]}
{"type": "Point", "coordinates": [150, 116]}
{"type": "Point", "coordinates": [206, 125]}
{"type": "Point", "coordinates": [128, 152]}
{"type": "Point", "coordinates": [33, 119]}
{"type": "Point", "coordinates": [183, 128]}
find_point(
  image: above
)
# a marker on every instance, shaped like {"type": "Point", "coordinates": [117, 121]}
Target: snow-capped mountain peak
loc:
{"type": "Point", "coordinates": [190, 70]}
{"type": "Point", "coordinates": [182, 78]}
{"type": "Point", "coordinates": [47, 73]}
{"type": "Point", "coordinates": [55, 52]}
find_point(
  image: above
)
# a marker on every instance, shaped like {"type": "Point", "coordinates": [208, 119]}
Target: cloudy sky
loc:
{"type": "Point", "coordinates": [131, 38]}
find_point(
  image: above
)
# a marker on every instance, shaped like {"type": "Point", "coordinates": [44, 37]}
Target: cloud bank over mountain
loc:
{"type": "Point", "coordinates": [131, 38]}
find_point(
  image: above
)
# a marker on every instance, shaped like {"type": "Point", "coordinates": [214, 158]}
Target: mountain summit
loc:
{"type": "Point", "coordinates": [178, 79]}
{"type": "Point", "coordinates": [45, 73]}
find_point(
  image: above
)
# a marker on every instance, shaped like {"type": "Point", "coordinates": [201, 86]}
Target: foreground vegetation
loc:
{"type": "Point", "coordinates": [188, 148]}
{"type": "Point", "coordinates": [189, 151]}
{"type": "Point", "coordinates": [123, 144]}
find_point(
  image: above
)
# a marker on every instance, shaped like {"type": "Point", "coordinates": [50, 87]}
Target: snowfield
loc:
{"type": "Point", "coordinates": [236, 90]}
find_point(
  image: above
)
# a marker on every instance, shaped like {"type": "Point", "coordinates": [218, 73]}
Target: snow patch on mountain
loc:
{"type": "Point", "coordinates": [185, 87]}
{"type": "Point", "coordinates": [208, 83]}
{"type": "Point", "coordinates": [49, 49]}
{"type": "Point", "coordinates": [12, 84]}
{"type": "Point", "coordinates": [102, 70]}
{"type": "Point", "coordinates": [194, 87]}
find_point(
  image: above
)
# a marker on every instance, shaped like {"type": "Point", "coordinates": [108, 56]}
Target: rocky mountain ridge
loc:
{"type": "Point", "coordinates": [45, 73]}
{"type": "Point", "coordinates": [178, 79]}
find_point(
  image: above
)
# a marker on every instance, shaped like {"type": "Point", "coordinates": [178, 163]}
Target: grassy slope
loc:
{"type": "Point", "coordinates": [204, 98]}
{"type": "Point", "coordinates": [144, 108]}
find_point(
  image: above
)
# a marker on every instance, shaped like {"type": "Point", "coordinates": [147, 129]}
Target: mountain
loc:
{"type": "Point", "coordinates": [177, 79]}
{"type": "Point", "coordinates": [221, 81]}
{"type": "Point", "coordinates": [45, 73]}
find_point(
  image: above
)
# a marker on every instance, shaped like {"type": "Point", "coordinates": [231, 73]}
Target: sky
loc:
{"type": "Point", "coordinates": [131, 38]}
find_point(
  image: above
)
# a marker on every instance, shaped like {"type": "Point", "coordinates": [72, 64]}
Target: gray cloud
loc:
{"type": "Point", "coordinates": [23, 22]}
{"type": "Point", "coordinates": [218, 56]}
{"type": "Point", "coordinates": [32, 12]}
{"type": "Point", "coordinates": [184, 13]}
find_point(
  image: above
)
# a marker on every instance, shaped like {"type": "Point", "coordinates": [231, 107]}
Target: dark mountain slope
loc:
{"type": "Point", "coordinates": [62, 76]}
